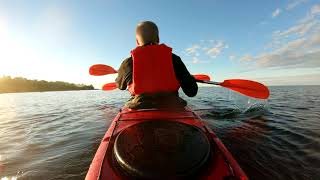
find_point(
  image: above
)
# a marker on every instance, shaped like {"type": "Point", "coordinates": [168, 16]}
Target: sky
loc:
{"type": "Point", "coordinates": [273, 42]}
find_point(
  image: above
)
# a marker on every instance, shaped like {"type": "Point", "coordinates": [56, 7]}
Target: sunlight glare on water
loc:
{"type": "Point", "coordinates": [9, 178]}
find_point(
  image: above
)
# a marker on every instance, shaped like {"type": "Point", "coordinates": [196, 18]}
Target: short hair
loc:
{"type": "Point", "coordinates": [147, 32]}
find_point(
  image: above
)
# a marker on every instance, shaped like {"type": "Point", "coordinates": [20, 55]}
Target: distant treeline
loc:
{"type": "Point", "coordinates": [19, 84]}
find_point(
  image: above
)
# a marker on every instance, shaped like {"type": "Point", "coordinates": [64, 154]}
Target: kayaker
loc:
{"type": "Point", "coordinates": [153, 74]}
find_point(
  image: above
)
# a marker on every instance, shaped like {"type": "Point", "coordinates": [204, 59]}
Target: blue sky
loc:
{"type": "Point", "coordinates": [273, 42]}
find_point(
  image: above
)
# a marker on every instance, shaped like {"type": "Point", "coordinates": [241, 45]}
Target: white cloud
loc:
{"type": "Point", "coordinates": [214, 51]}
{"type": "Point", "coordinates": [209, 49]}
{"type": "Point", "coordinates": [294, 3]}
{"type": "Point", "coordinates": [195, 60]}
{"type": "Point", "coordinates": [314, 40]}
{"type": "Point", "coordinates": [304, 79]}
{"type": "Point", "coordinates": [297, 46]}
{"type": "Point", "coordinates": [193, 49]}
{"type": "Point", "coordinates": [276, 12]}
{"type": "Point", "coordinates": [303, 52]}
{"type": "Point", "coordinates": [232, 57]}
{"type": "Point", "coordinates": [246, 58]}
{"type": "Point", "coordinates": [293, 54]}
{"type": "Point", "coordinates": [307, 26]}
{"type": "Point", "coordinates": [300, 30]}
{"type": "Point", "coordinates": [315, 10]}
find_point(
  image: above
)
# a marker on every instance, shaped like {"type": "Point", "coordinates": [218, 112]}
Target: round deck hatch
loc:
{"type": "Point", "coordinates": [160, 149]}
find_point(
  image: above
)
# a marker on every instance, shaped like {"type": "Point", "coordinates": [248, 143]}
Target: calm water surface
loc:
{"type": "Point", "coordinates": [54, 135]}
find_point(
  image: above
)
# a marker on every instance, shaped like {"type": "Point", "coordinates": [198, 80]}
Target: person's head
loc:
{"type": "Point", "coordinates": [147, 32]}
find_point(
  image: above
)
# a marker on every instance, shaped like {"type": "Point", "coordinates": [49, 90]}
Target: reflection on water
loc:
{"type": "Point", "coordinates": [54, 135]}
{"type": "Point", "coordinates": [9, 178]}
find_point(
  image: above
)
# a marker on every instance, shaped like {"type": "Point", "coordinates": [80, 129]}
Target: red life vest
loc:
{"type": "Point", "coordinates": [153, 70]}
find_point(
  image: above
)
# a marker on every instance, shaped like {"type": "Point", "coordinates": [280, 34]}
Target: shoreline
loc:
{"type": "Point", "coordinates": [49, 91]}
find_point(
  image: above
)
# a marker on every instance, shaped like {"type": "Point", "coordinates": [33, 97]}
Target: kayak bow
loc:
{"type": "Point", "coordinates": [162, 144]}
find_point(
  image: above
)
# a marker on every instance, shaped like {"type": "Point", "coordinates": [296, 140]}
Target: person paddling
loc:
{"type": "Point", "coordinates": [153, 74]}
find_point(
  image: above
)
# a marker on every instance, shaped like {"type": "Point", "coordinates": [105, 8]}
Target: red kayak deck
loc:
{"type": "Point", "coordinates": [220, 165]}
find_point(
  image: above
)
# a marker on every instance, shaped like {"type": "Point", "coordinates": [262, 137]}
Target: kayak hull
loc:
{"type": "Point", "coordinates": [220, 164]}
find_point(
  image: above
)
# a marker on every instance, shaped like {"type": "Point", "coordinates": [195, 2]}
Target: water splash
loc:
{"type": "Point", "coordinates": [233, 107]}
{"type": "Point", "coordinates": [247, 105]}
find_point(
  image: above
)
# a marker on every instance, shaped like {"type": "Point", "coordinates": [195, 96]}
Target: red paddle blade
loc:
{"type": "Point", "coordinates": [101, 69]}
{"type": "Point", "coordinates": [109, 86]}
{"type": "Point", "coordinates": [247, 87]}
{"type": "Point", "coordinates": [202, 77]}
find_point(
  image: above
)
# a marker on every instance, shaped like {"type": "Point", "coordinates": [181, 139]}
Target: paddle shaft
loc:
{"type": "Point", "coordinates": [208, 82]}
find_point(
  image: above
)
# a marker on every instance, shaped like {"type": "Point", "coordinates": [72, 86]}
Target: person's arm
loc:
{"type": "Point", "coordinates": [186, 80]}
{"type": "Point", "coordinates": [124, 74]}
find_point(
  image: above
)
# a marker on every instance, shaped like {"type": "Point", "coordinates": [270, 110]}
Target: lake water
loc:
{"type": "Point", "coordinates": [54, 135]}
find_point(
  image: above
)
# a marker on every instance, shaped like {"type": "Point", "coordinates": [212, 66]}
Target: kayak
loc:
{"type": "Point", "coordinates": [162, 144]}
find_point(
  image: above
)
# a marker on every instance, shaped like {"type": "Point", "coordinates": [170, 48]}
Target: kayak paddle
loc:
{"type": "Point", "coordinates": [102, 69]}
{"type": "Point", "coordinates": [201, 77]}
{"type": "Point", "coordinates": [109, 86]}
{"type": "Point", "coordinates": [245, 87]}
{"type": "Point", "coordinates": [242, 86]}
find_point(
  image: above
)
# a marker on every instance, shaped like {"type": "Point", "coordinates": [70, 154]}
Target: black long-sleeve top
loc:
{"type": "Point", "coordinates": [186, 80]}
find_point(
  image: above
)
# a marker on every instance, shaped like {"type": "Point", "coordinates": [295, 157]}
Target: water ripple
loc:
{"type": "Point", "coordinates": [54, 135]}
